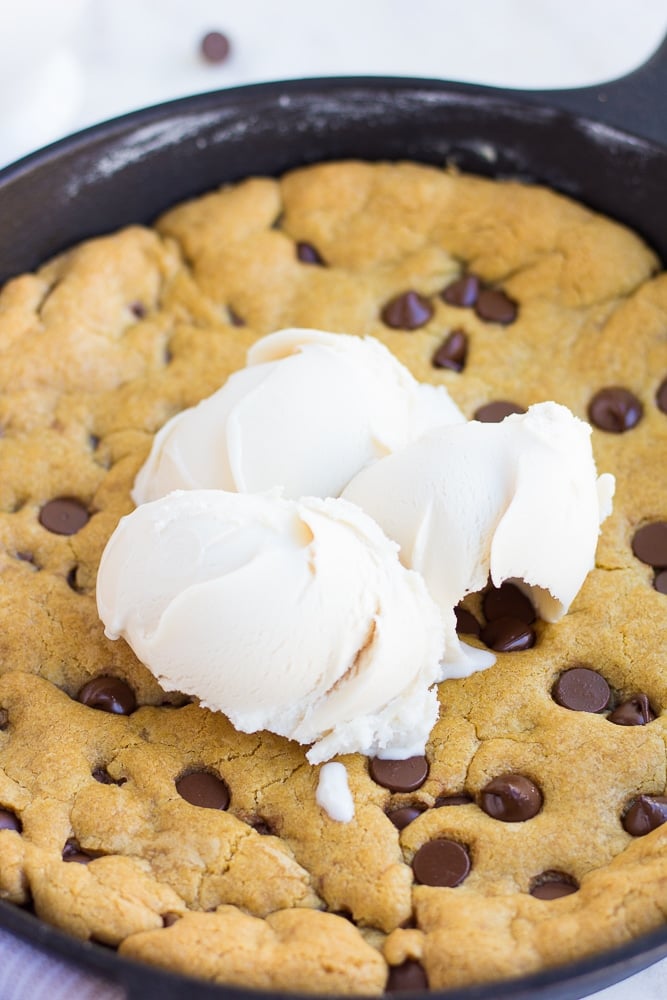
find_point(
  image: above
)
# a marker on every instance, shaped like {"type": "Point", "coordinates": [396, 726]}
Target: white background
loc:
{"type": "Point", "coordinates": [65, 64]}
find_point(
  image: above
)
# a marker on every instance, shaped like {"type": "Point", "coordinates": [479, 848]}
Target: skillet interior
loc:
{"type": "Point", "coordinates": [132, 169]}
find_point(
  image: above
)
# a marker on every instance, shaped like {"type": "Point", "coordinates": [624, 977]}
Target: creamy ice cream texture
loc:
{"type": "Point", "coordinates": [307, 413]}
{"type": "Point", "coordinates": [292, 616]}
{"type": "Point", "coordinates": [519, 500]}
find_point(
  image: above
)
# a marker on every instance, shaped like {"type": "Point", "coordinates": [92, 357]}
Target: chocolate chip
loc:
{"type": "Point", "coordinates": [661, 396]}
{"type": "Point", "coordinates": [108, 694]}
{"type": "Point", "coordinates": [615, 410]}
{"type": "Point", "coordinates": [453, 352]}
{"type": "Point", "coordinates": [636, 711]}
{"type": "Point", "coordinates": [463, 292]}
{"type": "Point", "coordinates": [308, 254]}
{"type": "Point", "coordinates": [63, 516]}
{"type": "Point", "coordinates": [169, 919]}
{"type": "Point", "coordinates": [493, 413]}
{"type": "Point", "coordinates": [404, 816]}
{"type": "Point", "coordinates": [406, 977]}
{"type": "Point", "coordinates": [650, 544]}
{"type": "Point", "coordinates": [200, 788]}
{"type": "Point", "coordinates": [407, 311]}
{"type": "Point", "coordinates": [399, 775]}
{"type": "Point", "coordinates": [102, 775]}
{"type": "Point", "coordinates": [646, 813]}
{"type": "Point", "coordinates": [508, 635]}
{"type": "Point", "coordinates": [139, 309]}
{"type": "Point", "coordinates": [72, 580]}
{"type": "Point", "coordinates": [214, 47]}
{"type": "Point", "coordinates": [553, 885]}
{"type": "Point", "coordinates": [10, 821]}
{"type": "Point", "coordinates": [660, 582]}
{"type": "Point", "coordinates": [453, 800]}
{"type": "Point", "coordinates": [511, 798]}
{"type": "Point", "coordinates": [495, 306]}
{"type": "Point", "coordinates": [72, 852]}
{"type": "Point", "coordinates": [507, 601]}
{"type": "Point", "coordinates": [234, 317]}
{"type": "Point", "coordinates": [581, 690]}
{"type": "Point", "coordinates": [466, 623]}
{"type": "Point", "coordinates": [441, 862]}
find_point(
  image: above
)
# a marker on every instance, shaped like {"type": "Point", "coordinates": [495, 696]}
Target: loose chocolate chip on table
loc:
{"type": "Point", "coordinates": [63, 516]}
{"type": "Point", "coordinates": [463, 292]}
{"type": "Point", "coordinates": [200, 788]}
{"type": "Point", "coordinates": [581, 690]}
{"type": "Point", "coordinates": [108, 694]}
{"type": "Point", "coordinates": [72, 852]}
{"type": "Point", "coordinates": [441, 862]}
{"type": "Point", "coordinates": [660, 581]}
{"type": "Point", "coordinates": [453, 352]}
{"type": "Point", "coordinates": [496, 307]}
{"type": "Point", "coordinates": [615, 410]}
{"type": "Point", "coordinates": [10, 821]}
{"type": "Point", "coordinates": [308, 254]}
{"type": "Point", "coordinates": [508, 635]}
{"type": "Point", "coordinates": [553, 885]}
{"type": "Point", "coordinates": [404, 816]}
{"type": "Point", "coordinates": [407, 311]}
{"type": "Point", "coordinates": [511, 798]}
{"type": "Point", "coordinates": [493, 413]}
{"type": "Point", "coordinates": [214, 47]}
{"type": "Point", "coordinates": [661, 396]}
{"type": "Point", "coordinates": [646, 813]}
{"type": "Point", "coordinates": [452, 800]}
{"type": "Point", "coordinates": [399, 775]}
{"type": "Point", "coordinates": [650, 544]}
{"type": "Point", "coordinates": [636, 711]}
{"type": "Point", "coordinates": [507, 601]}
{"type": "Point", "coordinates": [466, 623]}
{"type": "Point", "coordinates": [408, 976]}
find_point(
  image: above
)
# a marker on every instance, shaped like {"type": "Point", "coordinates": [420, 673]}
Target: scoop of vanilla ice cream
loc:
{"type": "Point", "coordinates": [296, 617]}
{"type": "Point", "coordinates": [518, 500]}
{"type": "Point", "coordinates": [309, 411]}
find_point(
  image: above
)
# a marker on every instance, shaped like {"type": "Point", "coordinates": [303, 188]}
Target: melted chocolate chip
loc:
{"type": "Point", "coordinates": [661, 396]}
{"type": "Point", "coordinates": [108, 694]}
{"type": "Point", "coordinates": [493, 413]}
{"type": "Point", "coordinates": [660, 582]}
{"type": "Point", "coordinates": [200, 788]}
{"type": "Point", "coordinates": [169, 919]}
{"type": "Point", "coordinates": [636, 711]}
{"type": "Point", "coordinates": [615, 410]}
{"type": "Point", "coordinates": [466, 623]}
{"type": "Point", "coordinates": [553, 885]}
{"type": "Point", "coordinates": [453, 800]}
{"type": "Point", "coordinates": [511, 798]}
{"type": "Point", "coordinates": [407, 311]}
{"type": "Point", "coordinates": [102, 775]}
{"type": "Point", "coordinates": [308, 254]}
{"type": "Point", "coordinates": [404, 816]}
{"type": "Point", "coordinates": [463, 292]}
{"type": "Point", "coordinates": [581, 690]}
{"type": "Point", "coordinates": [214, 47]}
{"type": "Point", "coordinates": [495, 306]}
{"type": "Point", "coordinates": [646, 813]}
{"type": "Point", "coordinates": [453, 352]}
{"type": "Point", "coordinates": [10, 821]}
{"type": "Point", "coordinates": [441, 862]}
{"type": "Point", "coordinates": [63, 516]}
{"type": "Point", "coordinates": [507, 601]}
{"type": "Point", "coordinates": [399, 775]}
{"type": "Point", "coordinates": [508, 635]}
{"type": "Point", "coordinates": [650, 544]}
{"type": "Point", "coordinates": [72, 852]}
{"type": "Point", "coordinates": [406, 977]}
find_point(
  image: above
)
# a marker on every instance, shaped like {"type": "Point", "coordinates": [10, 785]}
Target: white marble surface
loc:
{"type": "Point", "coordinates": [65, 64]}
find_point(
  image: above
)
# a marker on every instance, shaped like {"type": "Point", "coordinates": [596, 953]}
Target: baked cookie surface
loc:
{"type": "Point", "coordinates": [252, 883]}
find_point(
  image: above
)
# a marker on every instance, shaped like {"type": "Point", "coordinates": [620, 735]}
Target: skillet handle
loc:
{"type": "Point", "coordinates": [635, 103]}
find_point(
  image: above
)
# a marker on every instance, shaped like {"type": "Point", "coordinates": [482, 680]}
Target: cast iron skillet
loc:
{"type": "Point", "coordinates": [606, 146]}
